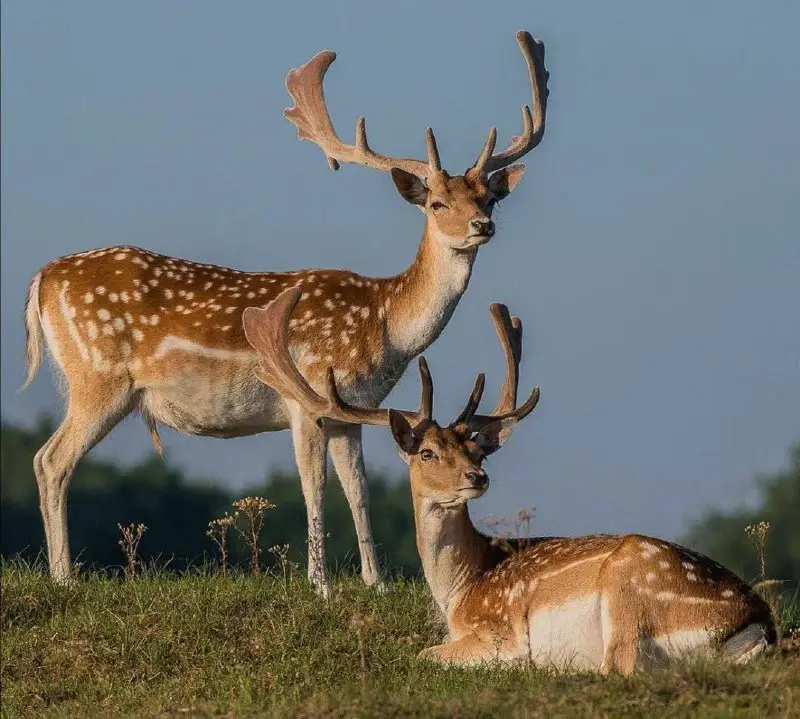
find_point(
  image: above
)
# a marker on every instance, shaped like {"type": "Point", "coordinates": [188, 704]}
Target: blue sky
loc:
{"type": "Point", "coordinates": [652, 249]}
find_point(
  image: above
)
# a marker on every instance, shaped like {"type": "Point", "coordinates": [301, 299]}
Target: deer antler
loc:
{"type": "Point", "coordinates": [267, 331]}
{"type": "Point", "coordinates": [310, 116]}
{"type": "Point", "coordinates": [509, 332]}
{"type": "Point", "coordinates": [532, 123]}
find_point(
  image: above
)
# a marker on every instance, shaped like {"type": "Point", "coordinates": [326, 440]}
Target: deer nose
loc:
{"type": "Point", "coordinates": [482, 225]}
{"type": "Point", "coordinates": [477, 478]}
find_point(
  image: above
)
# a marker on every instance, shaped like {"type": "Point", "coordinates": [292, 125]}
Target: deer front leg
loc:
{"type": "Point", "coordinates": [310, 451]}
{"type": "Point", "coordinates": [344, 446]}
{"type": "Point", "coordinates": [469, 650]}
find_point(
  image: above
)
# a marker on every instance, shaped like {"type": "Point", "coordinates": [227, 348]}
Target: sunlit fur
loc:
{"type": "Point", "coordinates": [601, 603]}
{"type": "Point", "coordinates": [132, 329]}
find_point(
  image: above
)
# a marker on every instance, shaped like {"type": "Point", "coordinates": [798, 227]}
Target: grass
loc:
{"type": "Point", "coordinates": [207, 645]}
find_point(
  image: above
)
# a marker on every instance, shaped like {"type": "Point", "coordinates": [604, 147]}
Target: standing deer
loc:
{"type": "Point", "coordinates": [130, 329]}
{"type": "Point", "coordinates": [605, 603]}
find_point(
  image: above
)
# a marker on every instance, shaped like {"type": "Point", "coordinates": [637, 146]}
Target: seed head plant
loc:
{"type": "Point", "coordinates": [766, 587]}
{"type": "Point", "coordinates": [757, 534]}
{"type": "Point", "coordinates": [131, 538]}
{"type": "Point", "coordinates": [252, 510]}
{"type": "Point", "coordinates": [218, 533]}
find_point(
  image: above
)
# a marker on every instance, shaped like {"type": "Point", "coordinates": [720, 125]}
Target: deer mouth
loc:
{"type": "Point", "coordinates": [478, 239]}
{"type": "Point", "coordinates": [473, 492]}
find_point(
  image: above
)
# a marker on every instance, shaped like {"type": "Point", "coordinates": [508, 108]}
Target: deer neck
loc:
{"type": "Point", "coordinates": [453, 553]}
{"type": "Point", "coordinates": [420, 301]}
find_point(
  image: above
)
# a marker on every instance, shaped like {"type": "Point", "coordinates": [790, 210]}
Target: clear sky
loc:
{"type": "Point", "coordinates": [652, 248]}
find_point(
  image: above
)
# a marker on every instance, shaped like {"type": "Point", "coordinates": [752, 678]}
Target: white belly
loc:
{"type": "Point", "coordinates": [231, 405]}
{"type": "Point", "coordinates": [567, 636]}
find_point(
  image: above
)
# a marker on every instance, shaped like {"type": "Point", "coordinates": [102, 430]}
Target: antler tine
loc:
{"type": "Point", "coordinates": [433, 152]}
{"type": "Point", "coordinates": [472, 403]}
{"type": "Point", "coordinates": [310, 115]}
{"type": "Point", "coordinates": [509, 332]}
{"type": "Point", "coordinates": [487, 151]}
{"type": "Point", "coordinates": [532, 123]}
{"type": "Point", "coordinates": [426, 401]}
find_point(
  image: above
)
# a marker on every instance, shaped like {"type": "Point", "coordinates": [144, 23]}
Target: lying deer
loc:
{"type": "Point", "coordinates": [131, 329]}
{"type": "Point", "coordinates": [603, 602]}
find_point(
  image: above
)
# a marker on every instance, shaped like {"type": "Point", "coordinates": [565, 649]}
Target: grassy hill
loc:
{"type": "Point", "coordinates": [205, 645]}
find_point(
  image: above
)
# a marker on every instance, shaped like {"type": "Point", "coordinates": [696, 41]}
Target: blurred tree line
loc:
{"type": "Point", "coordinates": [176, 512]}
{"type": "Point", "coordinates": [721, 535]}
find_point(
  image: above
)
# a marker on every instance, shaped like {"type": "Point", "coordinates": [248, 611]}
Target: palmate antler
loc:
{"type": "Point", "coordinates": [310, 115]}
{"type": "Point", "coordinates": [267, 331]}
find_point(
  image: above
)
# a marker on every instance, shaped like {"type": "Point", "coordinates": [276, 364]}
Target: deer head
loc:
{"type": "Point", "coordinates": [458, 208]}
{"type": "Point", "coordinates": [444, 462]}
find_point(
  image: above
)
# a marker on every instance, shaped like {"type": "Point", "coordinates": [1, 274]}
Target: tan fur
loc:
{"type": "Point", "coordinates": [604, 603]}
{"type": "Point", "coordinates": [133, 329]}
{"type": "Point", "coordinates": [601, 603]}
{"type": "Point", "coordinates": [166, 334]}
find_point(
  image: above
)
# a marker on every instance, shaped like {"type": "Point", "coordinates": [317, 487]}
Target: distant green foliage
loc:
{"type": "Point", "coordinates": [721, 534]}
{"type": "Point", "coordinates": [177, 511]}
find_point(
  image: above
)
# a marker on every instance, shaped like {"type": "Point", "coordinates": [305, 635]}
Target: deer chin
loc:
{"type": "Point", "coordinates": [460, 244]}
{"type": "Point", "coordinates": [474, 241]}
{"type": "Point", "coordinates": [463, 495]}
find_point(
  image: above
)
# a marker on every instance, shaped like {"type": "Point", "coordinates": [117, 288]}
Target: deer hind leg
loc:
{"type": "Point", "coordinates": [310, 450]}
{"type": "Point", "coordinates": [469, 650]}
{"type": "Point", "coordinates": [348, 460]}
{"type": "Point", "coordinates": [90, 416]}
{"type": "Point", "coordinates": [621, 624]}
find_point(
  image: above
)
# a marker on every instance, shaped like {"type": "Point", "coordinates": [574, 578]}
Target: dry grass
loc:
{"type": "Point", "coordinates": [208, 645]}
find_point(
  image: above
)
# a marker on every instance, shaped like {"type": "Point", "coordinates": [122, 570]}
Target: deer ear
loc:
{"type": "Point", "coordinates": [503, 182]}
{"type": "Point", "coordinates": [402, 432]}
{"type": "Point", "coordinates": [493, 436]}
{"type": "Point", "coordinates": [410, 187]}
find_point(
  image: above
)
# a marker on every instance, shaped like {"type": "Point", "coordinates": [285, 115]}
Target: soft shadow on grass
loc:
{"type": "Point", "coordinates": [205, 645]}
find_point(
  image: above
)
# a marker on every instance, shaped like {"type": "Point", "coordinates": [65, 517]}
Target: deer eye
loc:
{"type": "Point", "coordinates": [436, 206]}
{"type": "Point", "coordinates": [426, 454]}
